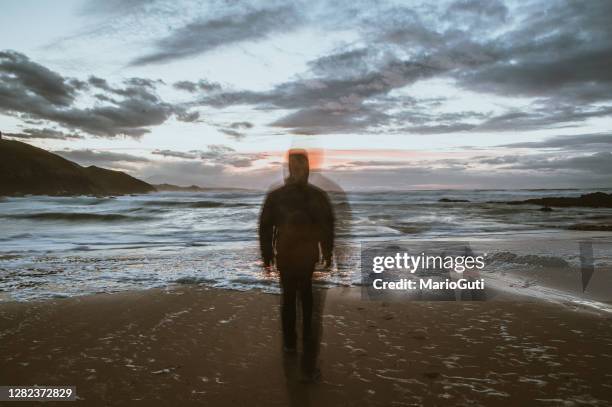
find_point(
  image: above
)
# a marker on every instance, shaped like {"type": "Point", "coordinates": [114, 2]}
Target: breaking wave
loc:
{"type": "Point", "coordinates": [195, 204]}
{"type": "Point", "coordinates": [79, 217]}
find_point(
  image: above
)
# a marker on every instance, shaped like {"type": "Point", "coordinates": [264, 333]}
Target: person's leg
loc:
{"type": "Point", "coordinates": [289, 288]}
{"type": "Point", "coordinates": [305, 287]}
{"type": "Point", "coordinates": [309, 340]}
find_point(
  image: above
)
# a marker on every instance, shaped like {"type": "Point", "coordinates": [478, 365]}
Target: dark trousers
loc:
{"type": "Point", "coordinates": [294, 282]}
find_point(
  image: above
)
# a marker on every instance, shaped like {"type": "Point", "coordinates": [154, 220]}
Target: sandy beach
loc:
{"type": "Point", "coordinates": [191, 344]}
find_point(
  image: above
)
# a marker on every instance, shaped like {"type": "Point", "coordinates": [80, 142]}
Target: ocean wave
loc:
{"type": "Point", "coordinates": [79, 217]}
{"type": "Point", "coordinates": [411, 228]}
{"type": "Point", "coordinates": [99, 201]}
{"type": "Point", "coordinates": [9, 256]}
{"type": "Point", "coordinates": [194, 280]}
{"type": "Point", "coordinates": [195, 204]}
{"type": "Point", "coordinates": [380, 217]}
{"type": "Point", "coordinates": [149, 210]}
{"type": "Point", "coordinates": [591, 227]}
{"type": "Point", "coordinates": [205, 204]}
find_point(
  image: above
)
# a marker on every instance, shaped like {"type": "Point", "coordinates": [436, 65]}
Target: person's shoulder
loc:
{"type": "Point", "coordinates": [317, 191]}
{"type": "Point", "coordinates": [275, 192]}
{"type": "Point", "coordinates": [315, 188]}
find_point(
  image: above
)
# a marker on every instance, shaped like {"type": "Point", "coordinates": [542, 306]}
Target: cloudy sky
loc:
{"type": "Point", "coordinates": [413, 95]}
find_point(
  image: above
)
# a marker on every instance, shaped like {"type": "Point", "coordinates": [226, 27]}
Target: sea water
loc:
{"type": "Point", "coordinates": [66, 246]}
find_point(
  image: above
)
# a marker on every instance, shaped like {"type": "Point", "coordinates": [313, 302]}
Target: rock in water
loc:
{"type": "Point", "coordinates": [592, 200]}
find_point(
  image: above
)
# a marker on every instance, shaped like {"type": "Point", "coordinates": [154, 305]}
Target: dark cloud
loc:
{"type": "Point", "coordinates": [177, 154]}
{"type": "Point", "coordinates": [133, 88]}
{"type": "Point", "coordinates": [340, 103]}
{"type": "Point", "coordinates": [344, 63]}
{"type": "Point", "coordinates": [424, 120]}
{"type": "Point", "coordinates": [560, 163]}
{"type": "Point", "coordinates": [348, 90]}
{"type": "Point", "coordinates": [500, 160]}
{"type": "Point", "coordinates": [242, 162]}
{"type": "Point", "coordinates": [217, 155]}
{"type": "Point", "coordinates": [333, 94]}
{"type": "Point", "coordinates": [542, 116]}
{"type": "Point", "coordinates": [128, 117]}
{"type": "Point", "coordinates": [538, 115]}
{"type": "Point", "coordinates": [93, 157]}
{"type": "Point", "coordinates": [216, 150]}
{"type": "Point", "coordinates": [327, 121]}
{"type": "Point", "coordinates": [560, 49]}
{"type": "Point", "coordinates": [570, 142]}
{"type": "Point", "coordinates": [203, 35]}
{"type": "Point", "coordinates": [19, 75]}
{"type": "Point", "coordinates": [44, 133]}
{"type": "Point", "coordinates": [236, 130]}
{"type": "Point", "coordinates": [201, 85]}
{"type": "Point", "coordinates": [489, 9]}
{"type": "Point", "coordinates": [34, 92]}
{"type": "Point", "coordinates": [581, 77]}
{"type": "Point", "coordinates": [236, 135]}
{"type": "Point", "coordinates": [99, 83]}
{"type": "Point", "coordinates": [440, 128]}
{"type": "Point", "coordinates": [241, 125]}
{"type": "Point", "coordinates": [557, 52]}
{"type": "Point", "coordinates": [188, 117]}
{"type": "Point", "coordinates": [597, 163]}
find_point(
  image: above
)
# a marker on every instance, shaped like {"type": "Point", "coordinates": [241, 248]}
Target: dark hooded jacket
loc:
{"type": "Point", "coordinates": [296, 226]}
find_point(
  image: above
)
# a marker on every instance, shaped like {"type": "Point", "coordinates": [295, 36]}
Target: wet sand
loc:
{"type": "Point", "coordinates": [190, 345]}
